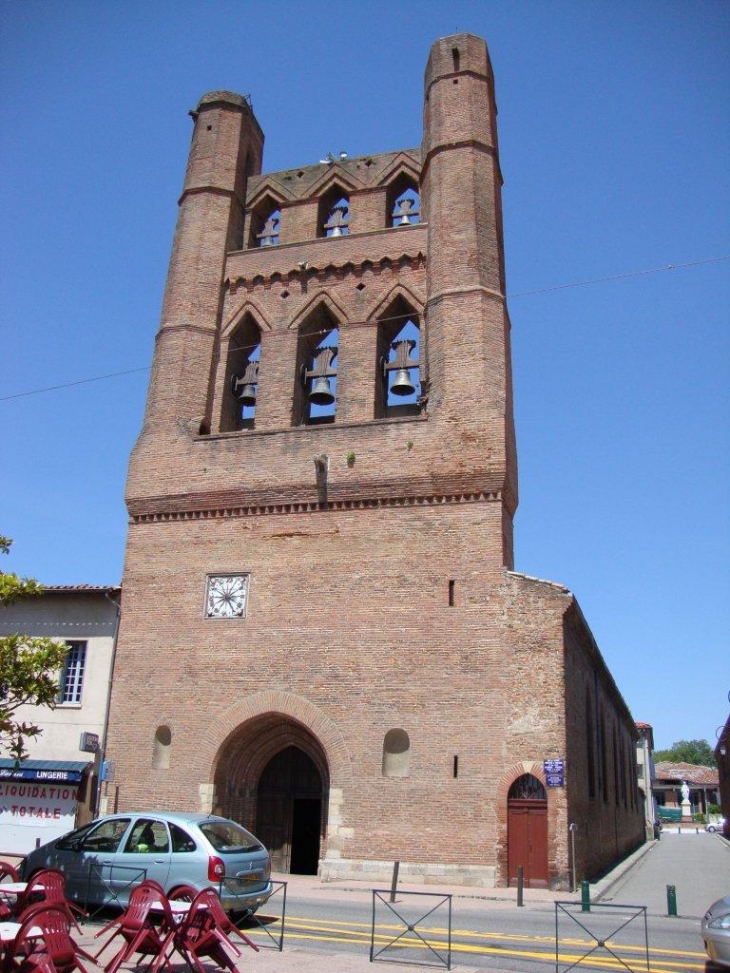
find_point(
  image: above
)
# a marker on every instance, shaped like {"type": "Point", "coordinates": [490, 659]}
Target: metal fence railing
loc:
{"type": "Point", "coordinates": [611, 932]}
{"type": "Point", "coordinates": [270, 918]}
{"type": "Point", "coordinates": [413, 942]}
{"type": "Point", "coordinates": [117, 880]}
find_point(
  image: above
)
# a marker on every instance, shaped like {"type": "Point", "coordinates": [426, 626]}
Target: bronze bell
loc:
{"type": "Point", "coordinates": [402, 384]}
{"type": "Point", "coordinates": [321, 393]}
{"type": "Point", "coordinates": [245, 393]}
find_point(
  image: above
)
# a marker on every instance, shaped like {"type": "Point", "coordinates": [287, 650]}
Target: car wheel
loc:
{"type": "Point", "coordinates": [711, 828]}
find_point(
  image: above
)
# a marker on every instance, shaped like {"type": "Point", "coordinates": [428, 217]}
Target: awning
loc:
{"type": "Point", "coordinates": [58, 771]}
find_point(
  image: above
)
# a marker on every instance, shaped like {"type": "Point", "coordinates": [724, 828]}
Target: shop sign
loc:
{"type": "Point", "coordinates": [89, 742]}
{"type": "Point", "coordinates": [60, 776]}
{"type": "Point", "coordinates": [33, 812]}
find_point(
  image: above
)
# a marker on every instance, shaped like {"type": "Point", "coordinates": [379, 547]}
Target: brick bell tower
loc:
{"type": "Point", "coordinates": [321, 497]}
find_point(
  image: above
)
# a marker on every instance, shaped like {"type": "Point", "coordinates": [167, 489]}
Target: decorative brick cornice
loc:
{"type": "Point", "coordinates": [328, 272]}
{"type": "Point", "coordinates": [157, 514]}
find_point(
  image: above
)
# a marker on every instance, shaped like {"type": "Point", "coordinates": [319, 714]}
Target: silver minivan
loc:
{"type": "Point", "coordinates": [103, 861]}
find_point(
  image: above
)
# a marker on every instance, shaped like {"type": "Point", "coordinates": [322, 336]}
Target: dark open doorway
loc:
{"type": "Point", "coordinates": [289, 819]}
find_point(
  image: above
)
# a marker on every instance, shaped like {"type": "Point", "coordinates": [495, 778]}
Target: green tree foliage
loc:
{"type": "Point", "coordinates": [687, 752]}
{"type": "Point", "coordinates": [29, 668]}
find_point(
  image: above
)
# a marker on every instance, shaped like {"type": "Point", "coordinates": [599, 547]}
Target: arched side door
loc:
{"type": "Point", "coordinates": [527, 832]}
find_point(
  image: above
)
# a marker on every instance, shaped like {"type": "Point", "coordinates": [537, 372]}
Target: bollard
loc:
{"type": "Point", "coordinates": [520, 884]}
{"type": "Point", "coordinates": [671, 900]}
{"type": "Point", "coordinates": [585, 896]}
{"type": "Point", "coordinates": [394, 883]}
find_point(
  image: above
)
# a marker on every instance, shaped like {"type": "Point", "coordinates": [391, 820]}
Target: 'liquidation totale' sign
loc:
{"type": "Point", "coordinates": [31, 810]}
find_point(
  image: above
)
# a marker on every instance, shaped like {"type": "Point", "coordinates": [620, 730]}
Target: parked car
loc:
{"type": "Point", "coordinates": [103, 861]}
{"type": "Point", "coordinates": [715, 825]}
{"type": "Point", "coordinates": [716, 931]}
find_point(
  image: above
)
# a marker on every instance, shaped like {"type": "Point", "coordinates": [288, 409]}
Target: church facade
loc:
{"type": "Point", "coordinates": [323, 633]}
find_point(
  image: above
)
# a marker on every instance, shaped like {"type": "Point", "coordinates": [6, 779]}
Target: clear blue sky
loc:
{"type": "Point", "coordinates": [615, 147]}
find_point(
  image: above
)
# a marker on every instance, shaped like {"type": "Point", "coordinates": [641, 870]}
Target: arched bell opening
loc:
{"type": "Point", "coordinates": [263, 223]}
{"type": "Point", "coordinates": [316, 400]}
{"type": "Point", "coordinates": [527, 832]}
{"type": "Point", "coordinates": [399, 389]}
{"type": "Point", "coordinates": [273, 777]}
{"type": "Point", "coordinates": [403, 202]}
{"type": "Point", "coordinates": [333, 213]}
{"type": "Point", "coordinates": [242, 376]}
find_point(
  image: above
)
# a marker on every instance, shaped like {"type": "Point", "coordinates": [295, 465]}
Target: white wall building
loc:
{"type": "Point", "coordinates": [645, 773]}
{"type": "Point", "coordinates": [56, 788]}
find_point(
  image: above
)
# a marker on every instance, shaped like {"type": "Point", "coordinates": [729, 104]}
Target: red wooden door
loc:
{"type": "Point", "coordinates": [527, 842]}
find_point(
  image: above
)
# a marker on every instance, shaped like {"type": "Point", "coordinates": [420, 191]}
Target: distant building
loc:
{"type": "Point", "coordinates": [645, 775]}
{"type": "Point", "coordinates": [56, 788]}
{"type": "Point", "coordinates": [703, 786]}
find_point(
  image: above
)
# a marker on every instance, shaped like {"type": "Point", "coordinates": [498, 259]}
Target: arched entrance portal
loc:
{"type": "Point", "coordinates": [527, 832]}
{"type": "Point", "coordinates": [272, 776]}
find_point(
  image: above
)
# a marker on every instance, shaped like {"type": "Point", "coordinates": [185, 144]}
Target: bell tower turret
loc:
{"type": "Point", "coordinates": [469, 360]}
{"type": "Point", "coordinates": [227, 148]}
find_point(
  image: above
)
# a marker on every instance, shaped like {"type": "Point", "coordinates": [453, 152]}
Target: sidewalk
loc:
{"type": "Point", "coordinates": [695, 863]}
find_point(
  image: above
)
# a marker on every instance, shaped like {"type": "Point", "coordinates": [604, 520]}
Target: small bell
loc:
{"type": "Point", "coordinates": [244, 391]}
{"type": "Point", "coordinates": [402, 384]}
{"type": "Point", "coordinates": [321, 393]}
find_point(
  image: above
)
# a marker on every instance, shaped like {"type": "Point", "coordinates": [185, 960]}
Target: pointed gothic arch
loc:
{"type": "Point", "coordinates": [399, 350]}
{"type": "Point", "coordinates": [242, 353]}
{"type": "Point", "coordinates": [318, 326]}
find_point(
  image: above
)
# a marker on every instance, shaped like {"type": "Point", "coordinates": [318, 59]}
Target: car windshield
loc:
{"type": "Point", "coordinates": [227, 837]}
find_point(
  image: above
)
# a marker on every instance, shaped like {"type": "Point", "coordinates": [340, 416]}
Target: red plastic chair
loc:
{"type": "Point", "coordinates": [159, 896]}
{"type": "Point", "coordinates": [198, 936]}
{"type": "Point", "coordinates": [8, 871]}
{"type": "Point", "coordinates": [182, 893]}
{"type": "Point", "coordinates": [43, 944]}
{"type": "Point", "coordinates": [48, 886]}
{"type": "Point", "coordinates": [140, 934]}
{"type": "Point", "coordinates": [7, 903]}
{"type": "Point", "coordinates": [223, 922]}
{"type": "Point", "coordinates": [40, 907]}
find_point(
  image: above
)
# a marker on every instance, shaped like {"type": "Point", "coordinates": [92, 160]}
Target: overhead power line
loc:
{"type": "Point", "coordinates": [370, 322]}
{"type": "Point", "coordinates": [633, 273]}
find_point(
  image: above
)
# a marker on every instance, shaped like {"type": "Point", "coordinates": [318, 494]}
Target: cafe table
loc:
{"type": "Point", "coordinates": [9, 930]}
{"type": "Point", "coordinates": [12, 888]}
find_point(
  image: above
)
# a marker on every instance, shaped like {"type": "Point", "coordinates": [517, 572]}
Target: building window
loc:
{"type": "Point", "coordinates": [527, 788]}
{"type": "Point", "coordinates": [71, 680]}
{"type": "Point", "coordinates": [396, 754]}
{"type": "Point", "coordinates": [590, 747]}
